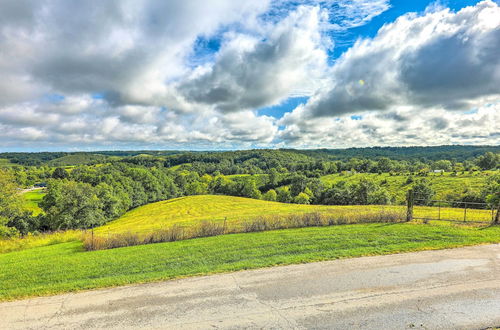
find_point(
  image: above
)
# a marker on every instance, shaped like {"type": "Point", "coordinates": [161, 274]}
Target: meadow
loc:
{"type": "Point", "coordinates": [443, 184]}
{"type": "Point", "coordinates": [234, 212]}
{"type": "Point", "coordinates": [32, 199]}
{"type": "Point", "coordinates": [187, 211]}
{"type": "Point", "coordinates": [67, 267]}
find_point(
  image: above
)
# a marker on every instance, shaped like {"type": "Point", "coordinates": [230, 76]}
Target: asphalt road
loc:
{"type": "Point", "coordinates": [447, 289]}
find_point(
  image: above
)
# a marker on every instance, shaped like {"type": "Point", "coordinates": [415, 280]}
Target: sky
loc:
{"type": "Point", "coordinates": [222, 74]}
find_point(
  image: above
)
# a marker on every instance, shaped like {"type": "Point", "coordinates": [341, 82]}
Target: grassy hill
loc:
{"type": "Point", "coordinates": [443, 184]}
{"type": "Point", "coordinates": [77, 159]}
{"type": "Point", "coordinates": [188, 211]}
{"type": "Point", "coordinates": [193, 209]}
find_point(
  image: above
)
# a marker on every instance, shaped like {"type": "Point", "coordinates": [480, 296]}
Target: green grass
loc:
{"type": "Point", "coordinates": [32, 199]}
{"type": "Point", "coordinates": [193, 209]}
{"type": "Point", "coordinates": [190, 211]}
{"type": "Point", "coordinates": [187, 211]}
{"type": "Point", "coordinates": [396, 185]}
{"type": "Point", "coordinates": [66, 267]}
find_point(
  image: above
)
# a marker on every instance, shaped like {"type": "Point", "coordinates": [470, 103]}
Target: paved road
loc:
{"type": "Point", "coordinates": [448, 289]}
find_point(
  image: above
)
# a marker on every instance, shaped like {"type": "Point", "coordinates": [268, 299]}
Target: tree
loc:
{"type": "Point", "coordinates": [423, 192]}
{"type": "Point", "coordinates": [271, 196]}
{"type": "Point", "coordinates": [384, 165]}
{"type": "Point", "coordinates": [197, 188]}
{"type": "Point", "coordinates": [11, 203]}
{"type": "Point", "coordinates": [249, 189]}
{"type": "Point", "coordinates": [283, 195]}
{"type": "Point", "coordinates": [60, 173]}
{"type": "Point", "coordinates": [338, 194]}
{"type": "Point", "coordinates": [273, 177]}
{"type": "Point", "coordinates": [302, 198]}
{"type": "Point", "coordinates": [443, 164]}
{"type": "Point", "coordinates": [488, 161]}
{"type": "Point", "coordinates": [72, 205]}
{"type": "Point", "coordinates": [298, 184]}
{"type": "Point", "coordinates": [379, 197]}
{"type": "Point", "coordinates": [491, 191]}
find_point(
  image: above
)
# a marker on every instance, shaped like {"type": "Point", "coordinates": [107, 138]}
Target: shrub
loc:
{"type": "Point", "coordinates": [208, 228]}
{"type": "Point", "coordinates": [262, 223]}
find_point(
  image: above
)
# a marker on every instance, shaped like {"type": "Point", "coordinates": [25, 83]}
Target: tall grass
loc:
{"type": "Point", "coordinates": [32, 241]}
{"type": "Point", "coordinates": [94, 241]}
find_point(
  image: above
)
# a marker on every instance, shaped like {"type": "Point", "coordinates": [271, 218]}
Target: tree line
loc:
{"type": "Point", "coordinates": [87, 196]}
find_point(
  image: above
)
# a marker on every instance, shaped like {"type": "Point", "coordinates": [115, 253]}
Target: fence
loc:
{"type": "Point", "coordinates": [453, 211]}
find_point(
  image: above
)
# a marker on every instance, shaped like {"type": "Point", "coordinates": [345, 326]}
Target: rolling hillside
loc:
{"type": "Point", "coordinates": [192, 209]}
{"type": "Point", "coordinates": [443, 184]}
{"type": "Point", "coordinates": [187, 211]}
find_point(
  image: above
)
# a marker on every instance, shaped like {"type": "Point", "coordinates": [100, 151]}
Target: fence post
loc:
{"type": "Point", "coordinates": [439, 210]}
{"type": "Point", "coordinates": [465, 212]}
{"type": "Point", "coordinates": [409, 205]}
{"type": "Point", "coordinates": [497, 216]}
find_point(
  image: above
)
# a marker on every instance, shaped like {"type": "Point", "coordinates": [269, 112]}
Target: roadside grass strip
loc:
{"type": "Point", "coordinates": [66, 267]}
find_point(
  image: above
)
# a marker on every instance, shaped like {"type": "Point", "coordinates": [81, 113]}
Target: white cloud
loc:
{"type": "Point", "coordinates": [140, 55]}
{"type": "Point", "coordinates": [441, 59]}
{"type": "Point", "coordinates": [250, 73]}
{"type": "Point", "coordinates": [405, 127]}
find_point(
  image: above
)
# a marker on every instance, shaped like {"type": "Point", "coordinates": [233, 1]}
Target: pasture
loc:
{"type": "Point", "coordinates": [32, 199]}
{"type": "Point", "coordinates": [188, 211]}
{"type": "Point", "coordinates": [443, 184]}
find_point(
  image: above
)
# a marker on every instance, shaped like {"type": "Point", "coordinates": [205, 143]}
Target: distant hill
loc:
{"type": "Point", "coordinates": [453, 152]}
{"type": "Point", "coordinates": [175, 157]}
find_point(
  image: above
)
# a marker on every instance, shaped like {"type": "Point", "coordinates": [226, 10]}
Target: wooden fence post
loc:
{"type": "Point", "coordinates": [409, 205]}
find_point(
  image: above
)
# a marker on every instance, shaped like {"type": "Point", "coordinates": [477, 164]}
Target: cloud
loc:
{"type": "Point", "coordinates": [249, 73]}
{"type": "Point", "coordinates": [115, 47]}
{"type": "Point", "coordinates": [156, 88]}
{"type": "Point", "coordinates": [406, 126]}
{"type": "Point", "coordinates": [440, 59]}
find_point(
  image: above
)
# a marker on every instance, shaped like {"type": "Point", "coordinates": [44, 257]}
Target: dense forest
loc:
{"type": "Point", "coordinates": [84, 190]}
{"type": "Point", "coordinates": [454, 153]}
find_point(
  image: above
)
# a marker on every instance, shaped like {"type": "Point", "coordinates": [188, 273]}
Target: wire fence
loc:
{"type": "Point", "coordinates": [453, 211]}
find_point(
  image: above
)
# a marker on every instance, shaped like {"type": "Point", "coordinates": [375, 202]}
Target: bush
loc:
{"type": "Point", "coordinates": [262, 223]}
{"type": "Point", "coordinates": [208, 228]}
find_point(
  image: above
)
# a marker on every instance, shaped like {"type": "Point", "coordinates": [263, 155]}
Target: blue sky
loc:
{"type": "Point", "coordinates": [257, 74]}
{"type": "Point", "coordinates": [346, 39]}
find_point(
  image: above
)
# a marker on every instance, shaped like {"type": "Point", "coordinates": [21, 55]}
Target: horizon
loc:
{"type": "Point", "coordinates": [269, 74]}
{"type": "Point", "coordinates": [250, 149]}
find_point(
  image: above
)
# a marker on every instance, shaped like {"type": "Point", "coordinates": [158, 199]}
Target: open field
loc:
{"type": "Point", "coordinates": [33, 198]}
{"type": "Point", "coordinates": [190, 210]}
{"type": "Point", "coordinates": [443, 184]}
{"type": "Point", "coordinates": [66, 267]}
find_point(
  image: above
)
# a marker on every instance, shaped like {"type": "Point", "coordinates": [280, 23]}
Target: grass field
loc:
{"type": "Point", "coordinates": [66, 267]}
{"type": "Point", "coordinates": [189, 211]}
{"type": "Point", "coordinates": [32, 199]}
{"type": "Point", "coordinates": [396, 185]}
{"type": "Point", "coordinates": [193, 209]}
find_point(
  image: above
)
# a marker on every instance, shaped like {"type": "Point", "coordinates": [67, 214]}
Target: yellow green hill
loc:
{"type": "Point", "coordinates": [190, 210]}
